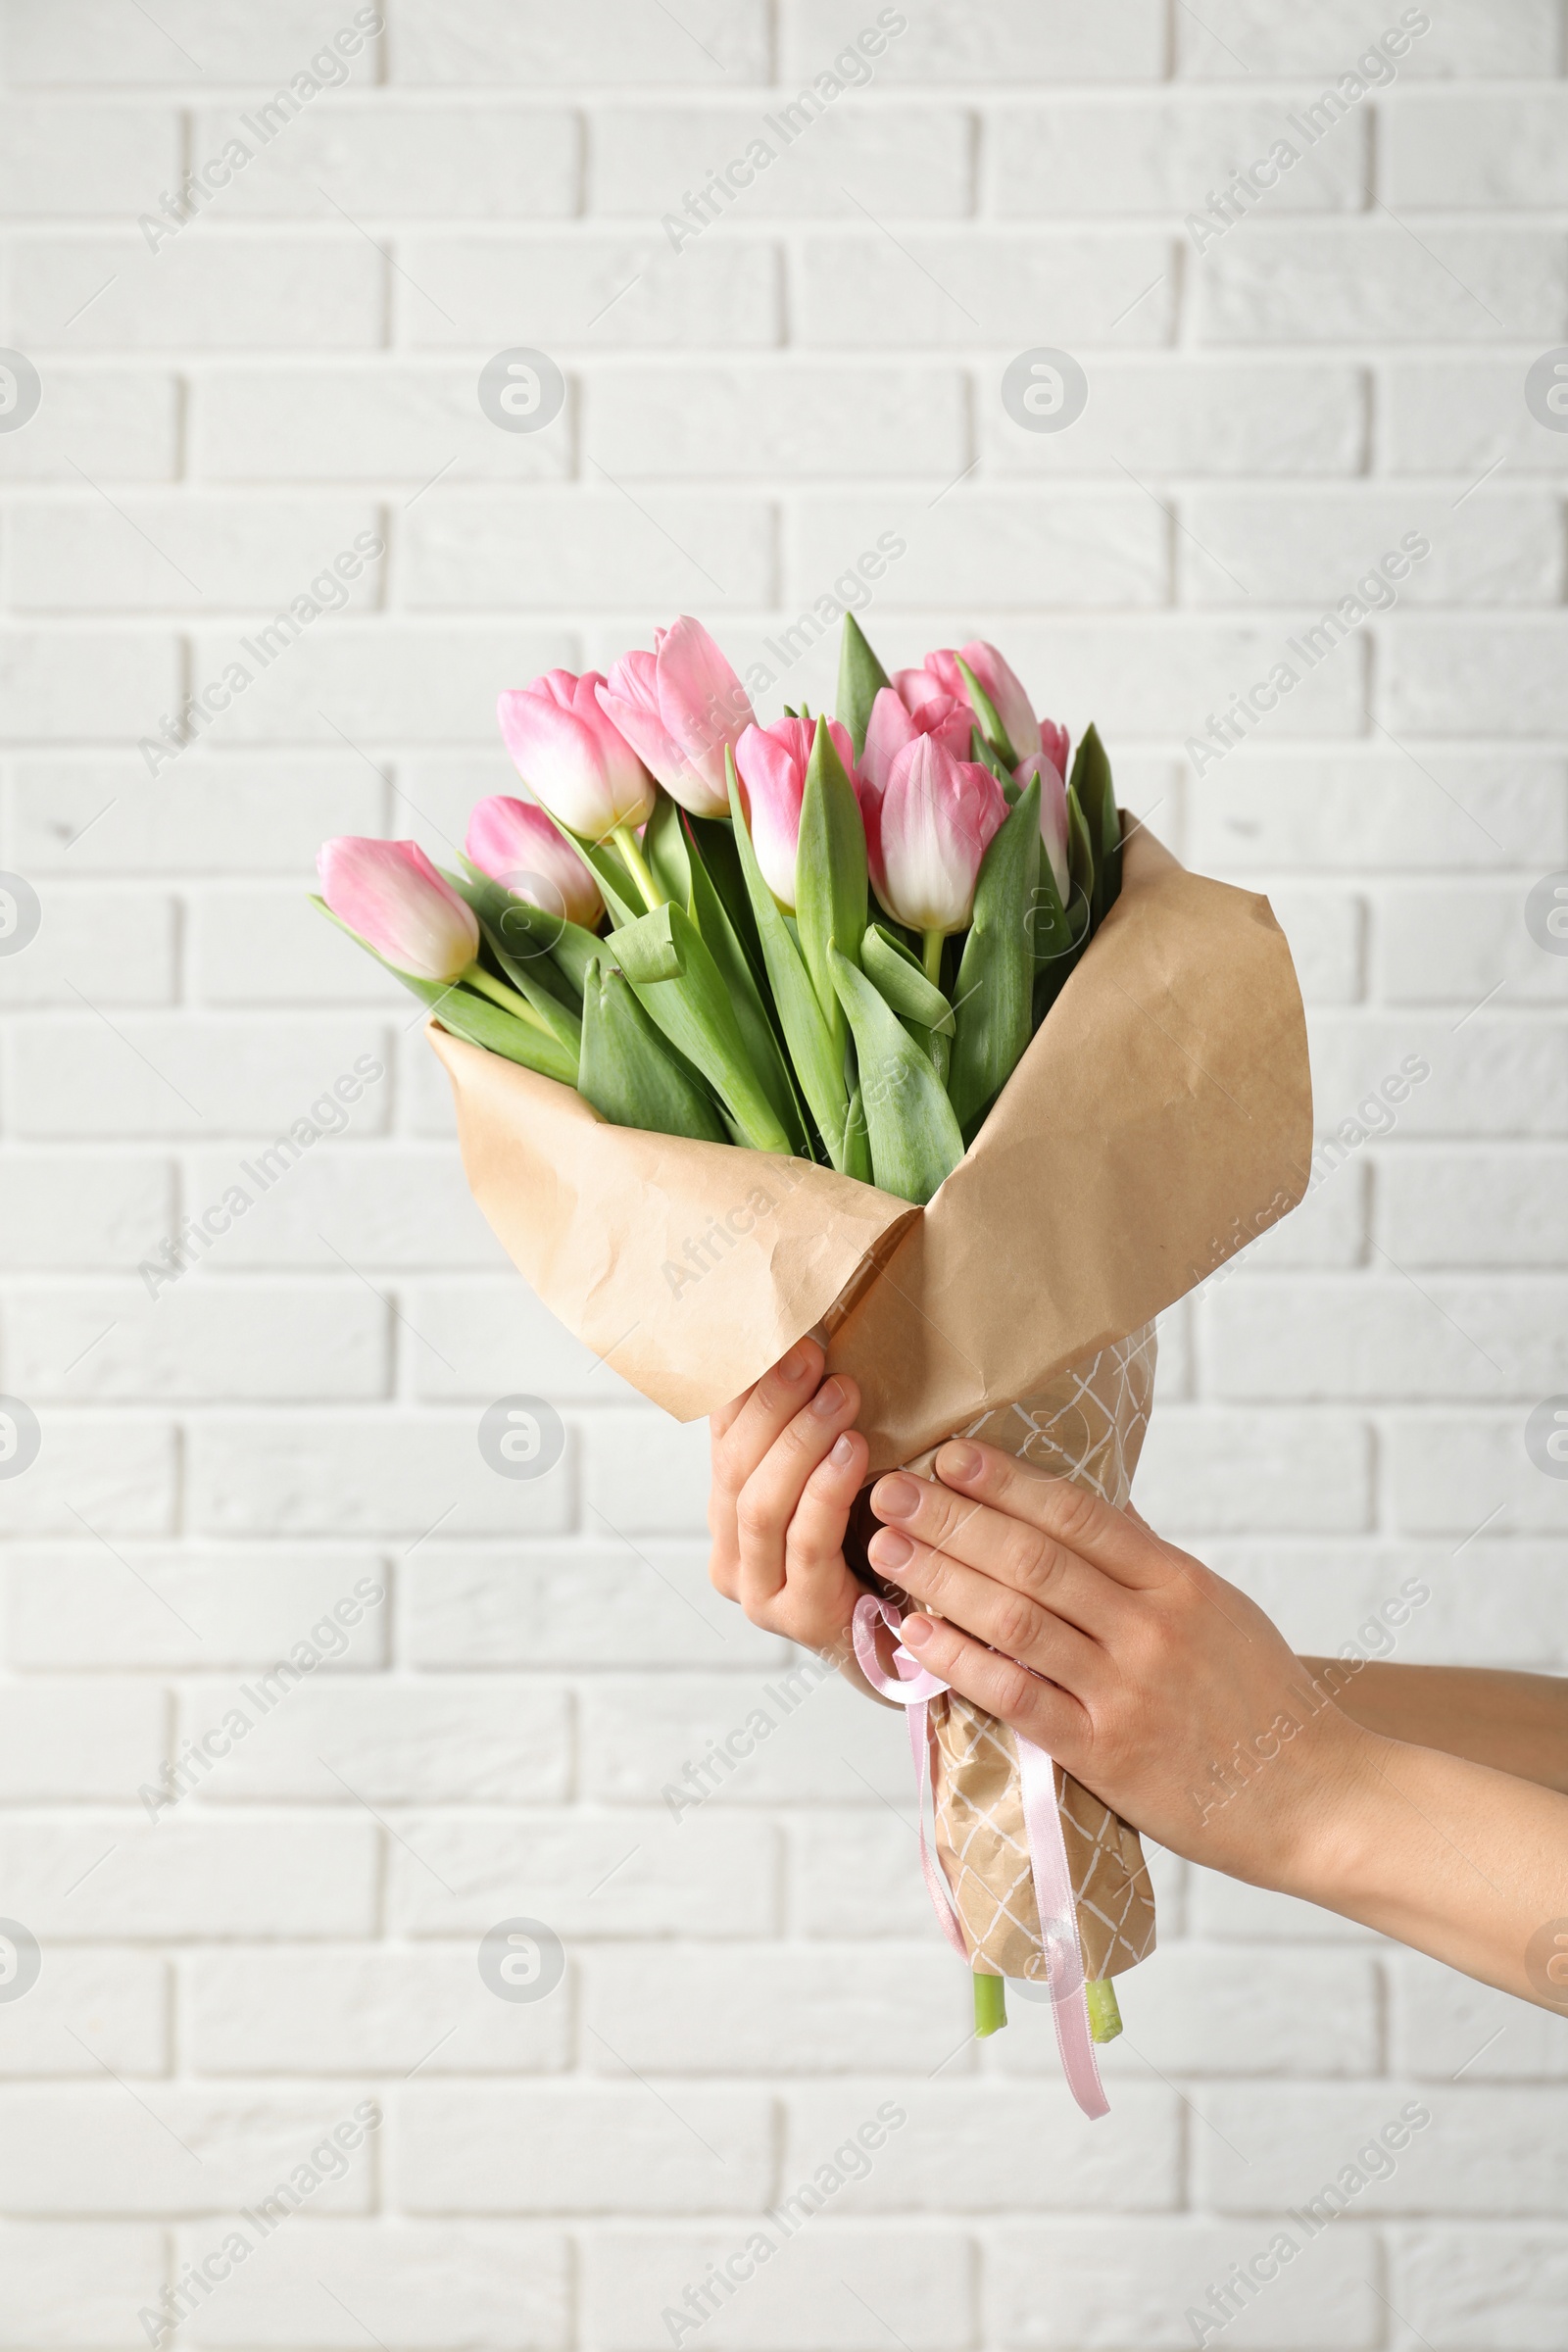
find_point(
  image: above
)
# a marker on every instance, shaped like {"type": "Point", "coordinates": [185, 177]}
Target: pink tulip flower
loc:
{"type": "Point", "coordinates": [771, 762]}
{"type": "Point", "coordinates": [679, 707]}
{"type": "Point", "coordinates": [516, 844]}
{"type": "Point", "coordinates": [391, 895]}
{"type": "Point", "coordinates": [896, 720]}
{"type": "Point", "coordinates": [1052, 811]}
{"type": "Point", "coordinates": [1002, 689]}
{"type": "Point", "coordinates": [916, 686]}
{"type": "Point", "coordinates": [571, 758]}
{"type": "Point", "coordinates": [926, 832]}
{"type": "Point", "coordinates": [1055, 742]}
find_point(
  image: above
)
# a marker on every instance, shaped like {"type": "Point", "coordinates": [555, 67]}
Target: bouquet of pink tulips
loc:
{"type": "Point", "coordinates": [1010, 1082]}
{"type": "Point", "coordinates": [831, 938]}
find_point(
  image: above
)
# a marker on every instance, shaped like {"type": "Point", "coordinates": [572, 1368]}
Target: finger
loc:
{"type": "Point", "coordinates": [737, 1444]}
{"type": "Point", "coordinates": [762, 1414]}
{"type": "Point", "coordinates": [1017, 1554]}
{"type": "Point", "coordinates": [720, 1424]}
{"type": "Point", "coordinates": [725, 1571]}
{"type": "Point", "coordinates": [723, 1561]}
{"type": "Point", "coordinates": [1044, 1712]}
{"type": "Point", "coordinates": [815, 1537]}
{"type": "Point", "coordinates": [815, 1572]}
{"type": "Point", "coordinates": [768, 1503]}
{"type": "Point", "coordinates": [995, 1614]}
{"type": "Point", "coordinates": [1056, 1508]}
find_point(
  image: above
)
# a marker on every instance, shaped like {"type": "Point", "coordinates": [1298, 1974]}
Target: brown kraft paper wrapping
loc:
{"type": "Point", "coordinates": [1160, 1118]}
{"type": "Point", "coordinates": [1087, 1425]}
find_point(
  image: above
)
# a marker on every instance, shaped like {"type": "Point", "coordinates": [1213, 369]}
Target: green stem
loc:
{"type": "Point", "coordinates": [1105, 2017]}
{"type": "Point", "coordinates": [626, 842]}
{"type": "Point", "coordinates": [990, 2003]}
{"type": "Point", "coordinates": [935, 941]}
{"type": "Point", "coordinates": [508, 997]}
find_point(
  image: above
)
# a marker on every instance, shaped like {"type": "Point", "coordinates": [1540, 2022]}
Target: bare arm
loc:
{"type": "Point", "coordinates": [1517, 1722]}
{"type": "Point", "coordinates": [1455, 1859]}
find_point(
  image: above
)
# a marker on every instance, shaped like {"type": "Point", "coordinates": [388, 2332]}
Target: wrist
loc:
{"type": "Point", "coordinates": [1331, 1838]}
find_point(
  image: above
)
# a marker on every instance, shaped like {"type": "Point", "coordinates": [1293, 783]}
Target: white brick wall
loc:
{"type": "Point", "coordinates": [222, 1465]}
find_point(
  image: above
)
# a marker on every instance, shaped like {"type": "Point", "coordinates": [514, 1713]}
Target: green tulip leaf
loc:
{"type": "Point", "coordinates": [861, 679]}
{"type": "Point", "coordinates": [1053, 939]}
{"type": "Point", "coordinates": [556, 950]}
{"type": "Point", "coordinates": [993, 1002]}
{"type": "Point", "coordinates": [901, 980]}
{"type": "Point", "coordinates": [996, 734]}
{"type": "Point", "coordinates": [1080, 851]}
{"type": "Point", "coordinates": [983, 755]}
{"type": "Point", "coordinates": [629, 1074]}
{"type": "Point", "coordinates": [620, 893]}
{"type": "Point", "coordinates": [857, 1140]}
{"type": "Point", "coordinates": [818, 1069]}
{"type": "Point", "coordinates": [762, 1049]}
{"type": "Point", "coordinates": [691, 1006]}
{"type": "Point", "coordinates": [1052, 977]}
{"type": "Point", "coordinates": [664, 848]}
{"type": "Point", "coordinates": [913, 1134]}
{"type": "Point", "coordinates": [645, 949]}
{"type": "Point", "coordinates": [534, 977]}
{"type": "Point", "coordinates": [560, 1020]}
{"type": "Point", "coordinates": [830, 875]}
{"type": "Point", "coordinates": [713, 840]}
{"type": "Point", "coordinates": [474, 1017]}
{"type": "Point", "coordinates": [1096, 798]}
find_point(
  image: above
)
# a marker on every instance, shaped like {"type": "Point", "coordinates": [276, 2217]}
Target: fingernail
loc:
{"type": "Point", "coordinates": [896, 1499]}
{"type": "Point", "coordinates": [843, 1454]}
{"type": "Point", "coordinates": [915, 1632]}
{"type": "Point", "coordinates": [793, 1366]}
{"type": "Point", "coordinates": [889, 1549]}
{"type": "Point", "coordinates": [829, 1398]}
{"type": "Point", "coordinates": [960, 1461]}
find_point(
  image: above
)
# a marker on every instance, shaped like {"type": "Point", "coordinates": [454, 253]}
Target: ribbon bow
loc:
{"type": "Point", "coordinates": [913, 1686]}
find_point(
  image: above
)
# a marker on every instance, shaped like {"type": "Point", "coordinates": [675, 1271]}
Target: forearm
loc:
{"type": "Point", "coordinates": [1515, 1722]}
{"type": "Point", "coordinates": [1451, 1857]}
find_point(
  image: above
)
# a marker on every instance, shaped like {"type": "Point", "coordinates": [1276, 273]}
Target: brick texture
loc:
{"type": "Point", "coordinates": [298, 1701]}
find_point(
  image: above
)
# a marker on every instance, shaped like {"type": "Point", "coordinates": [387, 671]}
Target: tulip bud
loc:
{"type": "Point", "coordinates": [896, 720]}
{"type": "Point", "coordinates": [571, 758]}
{"type": "Point", "coordinates": [679, 707]}
{"type": "Point", "coordinates": [516, 844]}
{"type": "Point", "coordinates": [998, 683]}
{"type": "Point", "coordinates": [916, 686]}
{"type": "Point", "coordinates": [1053, 808]}
{"type": "Point", "coordinates": [926, 832]}
{"type": "Point", "coordinates": [771, 762]}
{"type": "Point", "coordinates": [390, 894]}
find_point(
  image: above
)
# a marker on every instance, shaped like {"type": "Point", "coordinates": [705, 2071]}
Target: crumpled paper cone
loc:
{"type": "Point", "coordinates": [1160, 1118]}
{"type": "Point", "coordinates": [1087, 1425]}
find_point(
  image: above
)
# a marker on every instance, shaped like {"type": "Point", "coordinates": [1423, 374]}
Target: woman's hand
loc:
{"type": "Point", "coordinates": [787, 1467]}
{"type": "Point", "coordinates": [1167, 1692]}
{"type": "Point", "coordinates": [1175, 1700]}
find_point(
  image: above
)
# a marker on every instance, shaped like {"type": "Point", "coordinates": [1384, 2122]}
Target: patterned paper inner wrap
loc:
{"type": "Point", "coordinates": [1087, 1426]}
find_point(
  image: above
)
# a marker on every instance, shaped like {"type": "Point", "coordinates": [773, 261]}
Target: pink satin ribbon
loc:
{"type": "Point", "coordinates": [912, 1686]}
